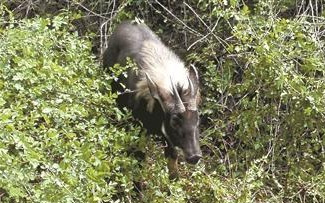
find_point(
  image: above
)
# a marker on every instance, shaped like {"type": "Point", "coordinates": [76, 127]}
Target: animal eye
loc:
{"type": "Point", "coordinates": [175, 121]}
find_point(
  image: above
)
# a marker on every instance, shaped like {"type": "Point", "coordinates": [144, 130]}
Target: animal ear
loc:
{"type": "Point", "coordinates": [192, 94]}
{"type": "Point", "coordinates": [193, 79]}
{"type": "Point", "coordinates": [194, 76]}
{"type": "Point", "coordinates": [152, 87]}
{"type": "Point", "coordinates": [165, 99]}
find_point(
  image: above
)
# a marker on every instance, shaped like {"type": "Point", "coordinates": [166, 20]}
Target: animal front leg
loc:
{"type": "Point", "coordinates": [172, 162]}
{"type": "Point", "coordinates": [172, 168]}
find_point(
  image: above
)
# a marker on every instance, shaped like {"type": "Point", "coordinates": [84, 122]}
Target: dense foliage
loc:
{"type": "Point", "coordinates": [62, 138]}
{"type": "Point", "coordinates": [262, 67]}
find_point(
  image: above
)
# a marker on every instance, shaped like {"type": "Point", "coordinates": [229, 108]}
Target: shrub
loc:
{"type": "Point", "coordinates": [62, 137]}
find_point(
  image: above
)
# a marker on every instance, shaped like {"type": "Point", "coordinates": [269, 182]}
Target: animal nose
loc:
{"type": "Point", "coordinates": [194, 159]}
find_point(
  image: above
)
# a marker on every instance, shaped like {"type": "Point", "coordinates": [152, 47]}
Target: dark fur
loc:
{"type": "Point", "coordinates": [175, 104]}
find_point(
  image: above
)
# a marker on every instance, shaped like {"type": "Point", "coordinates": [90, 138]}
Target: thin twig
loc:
{"type": "Point", "coordinates": [220, 40]}
{"type": "Point", "coordinates": [183, 23]}
{"type": "Point", "coordinates": [85, 8]}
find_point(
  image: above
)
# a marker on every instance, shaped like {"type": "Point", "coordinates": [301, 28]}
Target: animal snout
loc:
{"type": "Point", "coordinates": [194, 158]}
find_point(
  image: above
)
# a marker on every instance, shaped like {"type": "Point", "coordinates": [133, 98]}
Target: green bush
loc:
{"type": "Point", "coordinates": [62, 137]}
{"type": "Point", "coordinates": [271, 103]}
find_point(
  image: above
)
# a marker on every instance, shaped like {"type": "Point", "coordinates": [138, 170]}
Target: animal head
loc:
{"type": "Point", "coordinates": [181, 117]}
